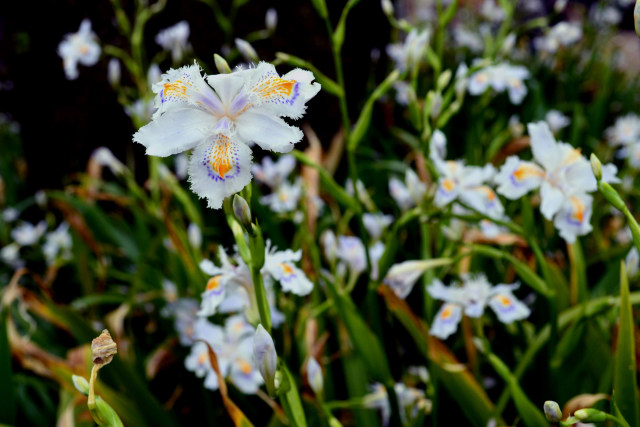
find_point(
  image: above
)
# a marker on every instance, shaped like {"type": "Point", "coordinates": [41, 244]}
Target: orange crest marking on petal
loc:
{"type": "Point", "coordinates": [578, 209]}
{"type": "Point", "coordinates": [245, 367]}
{"type": "Point", "coordinates": [203, 358]}
{"type": "Point", "coordinates": [286, 269]}
{"type": "Point", "coordinates": [447, 312]}
{"type": "Point", "coordinates": [572, 157]}
{"type": "Point", "coordinates": [272, 88]}
{"type": "Point", "coordinates": [221, 159]}
{"type": "Point", "coordinates": [504, 300]}
{"type": "Point", "coordinates": [214, 282]}
{"type": "Point", "coordinates": [448, 184]}
{"type": "Point", "coordinates": [525, 171]}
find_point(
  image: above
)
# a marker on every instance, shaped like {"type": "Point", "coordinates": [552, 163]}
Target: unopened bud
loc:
{"type": "Point", "coordinates": [271, 20]}
{"type": "Point", "coordinates": [387, 7]}
{"type": "Point", "coordinates": [552, 411]}
{"type": "Point", "coordinates": [81, 384]}
{"type": "Point", "coordinates": [314, 376]}
{"type": "Point", "coordinates": [444, 79]}
{"type": "Point", "coordinates": [436, 105]}
{"type": "Point", "coordinates": [590, 415]}
{"type": "Point", "coordinates": [247, 51]}
{"type": "Point", "coordinates": [221, 64]}
{"type": "Point", "coordinates": [242, 211]}
{"type": "Point", "coordinates": [103, 349]}
{"type": "Point", "coordinates": [113, 72]}
{"type": "Point", "coordinates": [596, 166]}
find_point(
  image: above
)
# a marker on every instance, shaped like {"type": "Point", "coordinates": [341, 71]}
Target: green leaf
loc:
{"type": "Point", "coordinates": [624, 377]}
{"type": "Point", "coordinates": [328, 85]}
{"type": "Point", "coordinates": [7, 397]}
{"type": "Point", "coordinates": [291, 400]}
{"type": "Point", "coordinates": [531, 415]}
{"type": "Point", "coordinates": [362, 124]}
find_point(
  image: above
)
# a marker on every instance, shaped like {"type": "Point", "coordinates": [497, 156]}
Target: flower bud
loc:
{"type": "Point", "coordinates": [247, 51]}
{"type": "Point", "coordinates": [221, 64]}
{"type": "Point", "coordinates": [113, 72]}
{"type": "Point", "coordinates": [552, 411]}
{"type": "Point", "coordinates": [590, 415]}
{"type": "Point", "coordinates": [271, 20]}
{"type": "Point", "coordinates": [103, 348]}
{"type": "Point", "coordinates": [596, 166]}
{"type": "Point", "coordinates": [444, 79]}
{"type": "Point", "coordinates": [242, 211]}
{"type": "Point", "coordinates": [81, 384]}
{"type": "Point", "coordinates": [387, 7]}
{"type": "Point", "coordinates": [264, 353]}
{"type": "Point", "coordinates": [314, 376]}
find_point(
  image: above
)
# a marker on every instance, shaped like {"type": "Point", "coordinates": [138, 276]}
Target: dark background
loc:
{"type": "Point", "coordinates": [62, 120]}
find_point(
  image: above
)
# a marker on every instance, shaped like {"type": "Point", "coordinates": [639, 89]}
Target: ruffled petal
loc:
{"type": "Point", "coordinates": [175, 131]}
{"type": "Point", "coordinates": [284, 96]}
{"type": "Point", "coordinates": [269, 132]}
{"type": "Point", "coordinates": [544, 147]}
{"type": "Point", "coordinates": [219, 168]}
{"type": "Point", "coordinates": [185, 86]}
{"type": "Point", "coordinates": [446, 321]}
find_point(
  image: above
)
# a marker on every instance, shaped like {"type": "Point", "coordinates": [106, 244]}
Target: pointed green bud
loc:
{"type": "Point", "coordinates": [552, 411]}
{"type": "Point", "coordinates": [590, 415]}
{"type": "Point", "coordinates": [264, 353]}
{"type": "Point", "coordinates": [81, 384]}
{"type": "Point", "coordinates": [444, 79]}
{"type": "Point", "coordinates": [242, 211]}
{"type": "Point", "coordinates": [596, 166]}
{"type": "Point", "coordinates": [221, 64]}
{"type": "Point", "coordinates": [387, 7]}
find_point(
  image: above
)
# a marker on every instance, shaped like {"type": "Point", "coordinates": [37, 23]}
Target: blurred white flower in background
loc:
{"type": "Point", "coordinates": [81, 47]}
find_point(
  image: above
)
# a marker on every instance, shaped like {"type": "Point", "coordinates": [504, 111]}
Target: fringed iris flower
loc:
{"type": "Point", "coordinates": [221, 117]}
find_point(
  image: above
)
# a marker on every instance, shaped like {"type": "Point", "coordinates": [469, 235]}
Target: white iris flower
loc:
{"type": "Point", "coordinates": [563, 175]}
{"type": "Point", "coordinates": [221, 117]}
{"type": "Point", "coordinates": [80, 47]}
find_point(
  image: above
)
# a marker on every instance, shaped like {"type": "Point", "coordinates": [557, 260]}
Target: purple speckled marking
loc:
{"type": "Point", "coordinates": [214, 175]}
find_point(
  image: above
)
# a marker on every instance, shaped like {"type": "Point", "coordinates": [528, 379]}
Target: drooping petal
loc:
{"type": "Point", "coordinates": [574, 219]}
{"type": "Point", "coordinates": [175, 131]}
{"type": "Point", "coordinates": [219, 168]}
{"type": "Point", "coordinates": [268, 131]}
{"type": "Point", "coordinates": [446, 321]}
{"type": "Point", "coordinates": [508, 308]}
{"type": "Point", "coordinates": [517, 177]}
{"type": "Point", "coordinates": [552, 200]}
{"type": "Point", "coordinates": [484, 200]}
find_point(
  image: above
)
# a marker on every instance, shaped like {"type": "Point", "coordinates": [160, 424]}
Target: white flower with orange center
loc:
{"type": "Point", "coordinates": [80, 47]}
{"type": "Point", "coordinates": [563, 175]}
{"type": "Point", "coordinates": [220, 118]}
{"type": "Point", "coordinates": [471, 299]}
{"type": "Point", "coordinates": [464, 183]}
{"type": "Point", "coordinates": [279, 266]}
{"type": "Point", "coordinates": [501, 77]}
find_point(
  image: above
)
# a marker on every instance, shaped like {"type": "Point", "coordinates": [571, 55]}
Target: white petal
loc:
{"type": "Point", "coordinates": [446, 321]}
{"type": "Point", "coordinates": [175, 131]}
{"type": "Point", "coordinates": [516, 178]}
{"type": "Point", "coordinates": [544, 145]}
{"type": "Point", "coordinates": [227, 86]}
{"type": "Point", "coordinates": [185, 86]}
{"type": "Point", "coordinates": [508, 308]}
{"type": "Point", "coordinates": [219, 168]}
{"type": "Point", "coordinates": [552, 200]}
{"type": "Point", "coordinates": [284, 96]}
{"type": "Point", "coordinates": [269, 132]}
{"type": "Point", "coordinates": [574, 219]}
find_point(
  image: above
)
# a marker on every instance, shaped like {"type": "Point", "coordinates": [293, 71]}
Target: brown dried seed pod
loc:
{"type": "Point", "coordinates": [103, 348]}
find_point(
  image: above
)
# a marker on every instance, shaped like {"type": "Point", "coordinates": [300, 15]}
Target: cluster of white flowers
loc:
{"type": "Point", "coordinates": [458, 181]}
{"type": "Point", "coordinates": [412, 52]}
{"type": "Point", "coordinates": [409, 193]}
{"type": "Point", "coordinates": [231, 289]}
{"type": "Point", "coordinates": [562, 34]}
{"type": "Point", "coordinates": [348, 253]}
{"type": "Point", "coordinates": [471, 299]}
{"type": "Point", "coordinates": [501, 77]}
{"type": "Point", "coordinates": [56, 247]}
